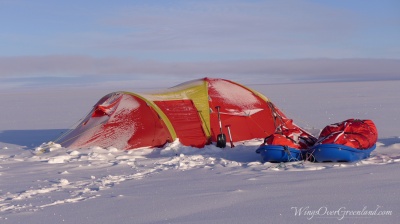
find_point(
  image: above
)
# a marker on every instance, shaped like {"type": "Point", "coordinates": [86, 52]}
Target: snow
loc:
{"type": "Point", "coordinates": [233, 94]}
{"type": "Point", "coordinates": [42, 182]}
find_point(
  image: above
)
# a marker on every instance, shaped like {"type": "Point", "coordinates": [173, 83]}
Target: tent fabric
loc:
{"type": "Point", "coordinates": [122, 121]}
{"type": "Point", "coordinates": [187, 111]}
{"type": "Point", "coordinates": [186, 121]}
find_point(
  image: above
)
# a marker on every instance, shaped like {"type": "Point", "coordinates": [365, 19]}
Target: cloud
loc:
{"type": "Point", "coordinates": [202, 30]}
{"type": "Point", "coordinates": [275, 70]}
{"type": "Point", "coordinates": [230, 27]}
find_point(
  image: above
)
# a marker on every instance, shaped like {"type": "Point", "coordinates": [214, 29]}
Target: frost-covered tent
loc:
{"type": "Point", "coordinates": [128, 120]}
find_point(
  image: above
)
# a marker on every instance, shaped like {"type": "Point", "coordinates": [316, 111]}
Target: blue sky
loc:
{"type": "Point", "coordinates": [90, 42]}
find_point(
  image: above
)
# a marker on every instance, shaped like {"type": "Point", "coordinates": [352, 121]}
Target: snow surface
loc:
{"type": "Point", "coordinates": [42, 182]}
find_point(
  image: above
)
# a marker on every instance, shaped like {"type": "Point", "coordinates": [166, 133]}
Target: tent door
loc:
{"type": "Point", "coordinates": [186, 121]}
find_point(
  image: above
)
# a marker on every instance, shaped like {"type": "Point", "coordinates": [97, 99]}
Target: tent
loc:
{"type": "Point", "coordinates": [128, 120]}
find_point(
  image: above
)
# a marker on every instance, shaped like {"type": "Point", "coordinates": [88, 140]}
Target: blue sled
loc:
{"type": "Point", "coordinates": [278, 153]}
{"type": "Point", "coordinates": [338, 153]}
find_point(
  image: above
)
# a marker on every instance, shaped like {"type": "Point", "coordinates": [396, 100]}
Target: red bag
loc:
{"type": "Point", "coordinates": [279, 139]}
{"type": "Point", "coordinates": [291, 135]}
{"type": "Point", "coordinates": [359, 134]}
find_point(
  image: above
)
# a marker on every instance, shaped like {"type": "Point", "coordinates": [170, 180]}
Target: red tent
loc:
{"type": "Point", "coordinates": [130, 120]}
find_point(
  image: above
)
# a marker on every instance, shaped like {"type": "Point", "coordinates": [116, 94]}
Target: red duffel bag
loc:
{"type": "Point", "coordinates": [291, 135]}
{"type": "Point", "coordinates": [359, 134]}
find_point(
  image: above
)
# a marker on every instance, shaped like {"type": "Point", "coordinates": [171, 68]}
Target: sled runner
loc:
{"type": "Point", "coordinates": [278, 153]}
{"type": "Point", "coordinates": [339, 153]}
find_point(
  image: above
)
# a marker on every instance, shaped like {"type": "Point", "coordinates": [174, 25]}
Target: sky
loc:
{"type": "Point", "coordinates": [159, 43]}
